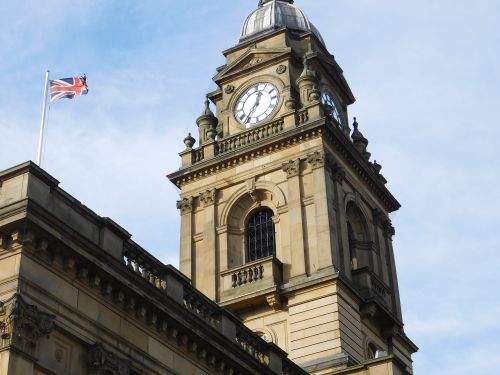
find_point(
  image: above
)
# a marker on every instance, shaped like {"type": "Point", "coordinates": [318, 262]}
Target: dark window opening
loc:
{"type": "Point", "coordinates": [261, 238]}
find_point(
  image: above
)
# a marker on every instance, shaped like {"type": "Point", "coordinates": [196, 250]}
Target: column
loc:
{"type": "Point", "coordinates": [186, 255]}
{"type": "Point", "coordinates": [208, 273]}
{"type": "Point", "coordinates": [297, 250]}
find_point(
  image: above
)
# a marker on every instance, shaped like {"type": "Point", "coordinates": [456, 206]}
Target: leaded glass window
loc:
{"type": "Point", "coordinates": [261, 241]}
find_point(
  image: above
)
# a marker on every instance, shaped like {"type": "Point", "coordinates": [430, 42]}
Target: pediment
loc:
{"type": "Point", "coordinates": [252, 59]}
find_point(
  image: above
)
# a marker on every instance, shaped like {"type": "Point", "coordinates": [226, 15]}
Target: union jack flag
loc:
{"type": "Point", "coordinates": [68, 88]}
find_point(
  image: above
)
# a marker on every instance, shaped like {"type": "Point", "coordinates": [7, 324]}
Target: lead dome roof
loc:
{"type": "Point", "coordinates": [274, 14]}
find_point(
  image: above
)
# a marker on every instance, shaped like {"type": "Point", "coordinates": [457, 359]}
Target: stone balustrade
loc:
{"type": "Point", "coordinates": [263, 273]}
{"type": "Point", "coordinates": [370, 286]}
{"type": "Point", "coordinates": [255, 277]}
{"type": "Point", "coordinates": [253, 344]}
{"type": "Point", "coordinates": [145, 265]}
{"type": "Point", "coordinates": [249, 136]}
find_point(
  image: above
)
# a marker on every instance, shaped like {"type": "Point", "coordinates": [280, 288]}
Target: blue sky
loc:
{"type": "Point", "coordinates": [426, 77]}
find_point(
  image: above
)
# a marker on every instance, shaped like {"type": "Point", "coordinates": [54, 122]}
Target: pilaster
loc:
{"type": "Point", "coordinates": [337, 178]}
{"type": "Point", "coordinates": [297, 248]}
{"type": "Point", "coordinates": [186, 253]}
{"type": "Point", "coordinates": [207, 281]}
{"type": "Point", "coordinates": [326, 232]}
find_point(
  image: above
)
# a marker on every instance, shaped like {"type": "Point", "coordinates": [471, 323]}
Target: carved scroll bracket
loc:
{"type": "Point", "coordinates": [21, 325]}
{"type": "Point", "coordinates": [104, 362]}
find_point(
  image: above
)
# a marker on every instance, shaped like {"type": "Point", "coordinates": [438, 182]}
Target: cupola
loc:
{"type": "Point", "coordinates": [275, 14]}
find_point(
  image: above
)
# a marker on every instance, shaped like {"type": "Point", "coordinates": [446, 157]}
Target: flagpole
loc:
{"type": "Point", "coordinates": [44, 116]}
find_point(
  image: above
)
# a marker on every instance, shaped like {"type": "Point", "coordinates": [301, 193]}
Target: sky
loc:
{"type": "Point", "coordinates": [426, 78]}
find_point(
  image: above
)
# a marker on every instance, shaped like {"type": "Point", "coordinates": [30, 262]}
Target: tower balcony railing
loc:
{"type": "Point", "coordinates": [371, 287]}
{"type": "Point", "coordinates": [254, 279]}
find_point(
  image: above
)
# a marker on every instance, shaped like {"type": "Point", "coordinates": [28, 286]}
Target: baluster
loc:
{"type": "Point", "coordinates": [245, 277]}
{"type": "Point", "coordinates": [261, 268]}
{"type": "Point", "coordinates": [239, 278]}
{"type": "Point", "coordinates": [250, 274]}
{"type": "Point", "coordinates": [256, 274]}
{"type": "Point", "coordinates": [234, 280]}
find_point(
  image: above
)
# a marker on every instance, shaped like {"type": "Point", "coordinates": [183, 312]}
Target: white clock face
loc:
{"type": "Point", "coordinates": [336, 113]}
{"type": "Point", "coordinates": [256, 104]}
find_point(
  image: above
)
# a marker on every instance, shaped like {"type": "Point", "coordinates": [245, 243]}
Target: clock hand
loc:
{"type": "Point", "coordinates": [257, 102]}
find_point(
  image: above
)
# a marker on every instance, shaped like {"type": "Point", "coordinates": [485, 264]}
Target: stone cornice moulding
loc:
{"type": "Point", "coordinates": [283, 140]}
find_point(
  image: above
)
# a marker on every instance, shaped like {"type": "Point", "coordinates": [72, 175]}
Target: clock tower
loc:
{"type": "Point", "coordinates": [284, 217]}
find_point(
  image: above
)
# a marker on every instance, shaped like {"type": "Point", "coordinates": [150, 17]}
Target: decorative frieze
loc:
{"type": "Point", "coordinates": [104, 362]}
{"type": "Point", "coordinates": [185, 205]}
{"type": "Point", "coordinates": [208, 197]}
{"type": "Point", "coordinates": [292, 168]}
{"type": "Point", "coordinates": [22, 325]}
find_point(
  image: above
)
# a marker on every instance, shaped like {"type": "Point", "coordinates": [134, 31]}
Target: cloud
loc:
{"type": "Point", "coordinates": [426, 79]}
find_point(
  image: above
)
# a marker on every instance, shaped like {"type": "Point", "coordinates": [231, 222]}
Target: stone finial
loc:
{"type": "Point", "coordinates": [189, 141]}
{"type": "Point", "coordinates": [377, 167]}
{"type": "Point", "coordinates": [207, 123]}
{"type": "Point", "coordinates": [359, 140]}
{"type": "Point", "coordinates": [307, 72]}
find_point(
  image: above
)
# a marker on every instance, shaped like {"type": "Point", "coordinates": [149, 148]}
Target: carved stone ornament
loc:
{"type": "Point", "coordinates": [338, 173]}
{"type": "Point", "coordinates": [208, 197]}
{"type": "Point", "coordinates": [281, 69]}
{"type": "Point", "coordinates": [21, 325]}
{"type": "Point", "coordinates": [274, 301]}
{"type": "Point", "coordinates": [103, 362]}
{"type": "Point", "coordinates": [229, 89]}
{"type": "Point", "coordinates": [252, 189]}
{"type": "Point", "coordinates": [185, 205]}
{"type": "Point", "coordinates": [292, 168]}
{"type": "Point", "coordinates": [317, 159]}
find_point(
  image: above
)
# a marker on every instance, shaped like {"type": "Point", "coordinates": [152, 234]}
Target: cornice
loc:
{"type": "Point", "coordinates": [287, 138]}
{"type": "Point", "coordinates": [28, 168]}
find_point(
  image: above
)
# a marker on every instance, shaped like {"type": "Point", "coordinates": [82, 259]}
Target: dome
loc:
{"type": "Point", "coordinates": [274, 14]}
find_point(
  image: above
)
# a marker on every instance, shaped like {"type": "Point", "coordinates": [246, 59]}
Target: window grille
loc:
{"type": "Point", "coordinates": [261, 241]}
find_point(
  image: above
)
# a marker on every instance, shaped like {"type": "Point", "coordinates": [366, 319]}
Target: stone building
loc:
{"type": "Point", "coordinates": [286, 258]}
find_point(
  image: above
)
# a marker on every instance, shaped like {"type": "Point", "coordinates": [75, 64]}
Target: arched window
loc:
{"type": "Point", "coordinates": [372, 351]}
{"type": "Point", "coordinates": [260, 235]}
{"type": "Point", "coordinates": [357, 234]}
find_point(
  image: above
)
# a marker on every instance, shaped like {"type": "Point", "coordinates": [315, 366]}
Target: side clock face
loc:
{"type": "Point", "coordinates": [256, 104]}
{"type": "Point", "coordinates": [336, 113]}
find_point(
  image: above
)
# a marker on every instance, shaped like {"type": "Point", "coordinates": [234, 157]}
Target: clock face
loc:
{"type": "Point", "coordinates": [336, 113]}
{"type": "Point", "coordinates": [256, 104]}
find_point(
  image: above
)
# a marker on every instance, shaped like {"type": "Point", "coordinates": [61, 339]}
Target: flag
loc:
{"type": "Point", "coordinates": [68, 88]}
